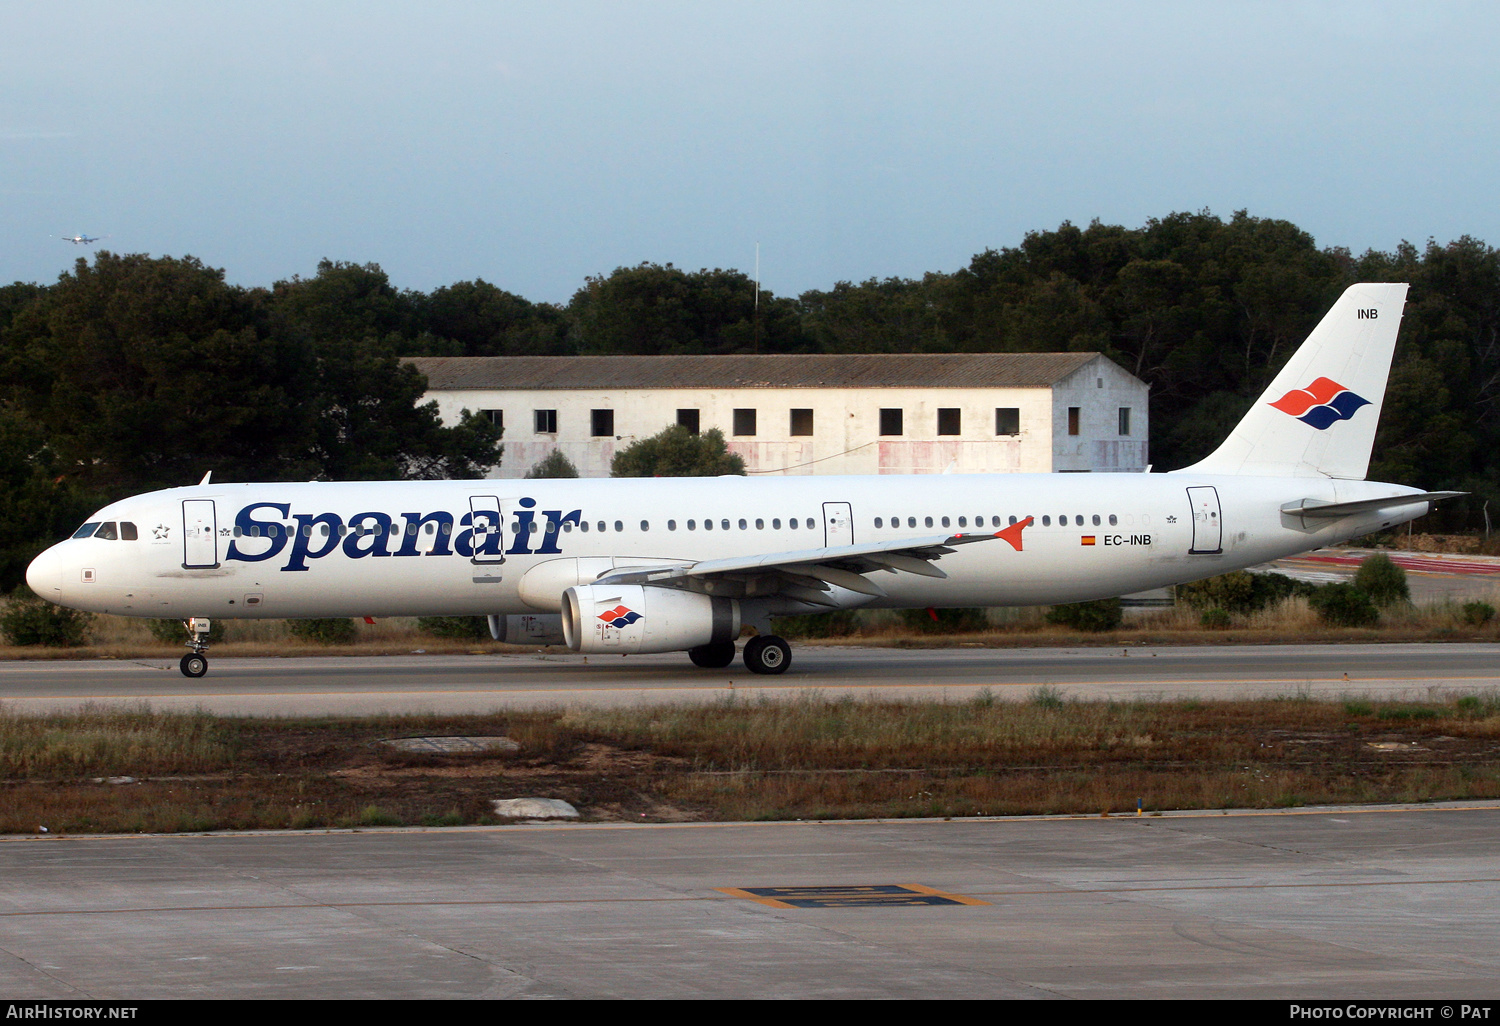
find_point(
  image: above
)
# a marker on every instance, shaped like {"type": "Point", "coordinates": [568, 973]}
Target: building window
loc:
{"type": "Point", "coordinates": [744, 422]}
{"type": "Point", "coordinates": [950, 422]}
{"type": "Point", "coordinates": [688, 419]}
{"type": "Point", "coordinates": [601, 423]}
{"type": "Point", "coordinates": [495, 417]}
{"type": "Point", "coordinates": [1124, 420]}
{"type": "Point", "coordinates": [1007, 420]}
{"type": "Point", "coordinates": [802, 422]}
{"type": "Point", "coordinates": [1073, 412]}
{"type": "Point", "coordinates": [890, 422]}
{"type": "Point", "coordinates": [546, 422]}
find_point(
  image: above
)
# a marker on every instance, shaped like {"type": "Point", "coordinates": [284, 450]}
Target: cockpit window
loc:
{"type": "Point", "coordinates": [127, 531]}
{"type": "Point", "coordinates": [86, 530]}
{"type": "Point", "coordinates": [108, 531]}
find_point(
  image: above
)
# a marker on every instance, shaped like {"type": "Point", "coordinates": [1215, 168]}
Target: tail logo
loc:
{"type": "Point", "coordinates": [620, 617]}
{"type": "Point", "coordinates": [1321, 403]}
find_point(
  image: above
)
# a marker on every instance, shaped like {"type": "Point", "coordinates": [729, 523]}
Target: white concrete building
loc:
{"type": "Point", "coordinates": [814, 414]}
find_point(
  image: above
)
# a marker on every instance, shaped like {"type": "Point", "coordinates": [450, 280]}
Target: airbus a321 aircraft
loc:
{"type": "Point", "coordinates": [661, 565]}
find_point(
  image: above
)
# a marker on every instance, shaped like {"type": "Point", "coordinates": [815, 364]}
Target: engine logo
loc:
{"type": "Point", "coordinates": [620, 616]}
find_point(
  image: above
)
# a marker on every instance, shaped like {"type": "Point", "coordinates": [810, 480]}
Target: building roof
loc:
{"type": "Point", "coordinates": [874, 370]}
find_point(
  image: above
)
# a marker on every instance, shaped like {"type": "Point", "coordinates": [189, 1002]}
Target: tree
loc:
{"type": "Point", "coordinates": [553, 465]}
{"type": "Point", "coordinates": [677, 452]}
{"type": "Point", "coordinates": [653, 309]}
{"type": "Point", "coordinates": [144, 372]}
{"type": "Point", "coordinates": [474, 318]}
{"type": "Point", "coordinates": [1381, 579]}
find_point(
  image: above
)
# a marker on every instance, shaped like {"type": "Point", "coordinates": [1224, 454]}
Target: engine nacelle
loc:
{"type": "Point", "coordinates": [527, 630]}
{"type": "Point", "coordinates": [636, 618]}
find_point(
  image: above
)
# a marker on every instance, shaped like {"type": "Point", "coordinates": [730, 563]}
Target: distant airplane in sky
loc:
{"type": "Point", "coordinates": [82, 240]}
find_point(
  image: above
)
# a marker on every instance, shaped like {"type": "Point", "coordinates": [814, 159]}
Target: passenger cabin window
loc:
{"type": "Point", "coordinates": [1007, 420]}
{"type": "Point", "coordinates": [688, 419]}
{"type": "Point", "coordinates": [546, 422]}
{"type": "Point", "coordinates": [744, 422]}
{"type": "Point", "coordinates": [891, 422]}
{"type": "Point", "coordinates": [802, 422]}
{"type": "Point", "coordinates": [950, 421]}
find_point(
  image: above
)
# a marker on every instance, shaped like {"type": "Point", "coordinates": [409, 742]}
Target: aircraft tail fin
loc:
{"type": "Point", "coordinates": [1318, 417]}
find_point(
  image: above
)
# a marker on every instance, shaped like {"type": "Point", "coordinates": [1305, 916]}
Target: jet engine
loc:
{"type": "Point", "coordinates": [632, 618]}
{"type": "Point", "coordinates": [527, 629]}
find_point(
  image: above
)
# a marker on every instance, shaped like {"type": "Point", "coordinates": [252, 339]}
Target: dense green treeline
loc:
{"type": "Point", "coordinates": [135, 372]}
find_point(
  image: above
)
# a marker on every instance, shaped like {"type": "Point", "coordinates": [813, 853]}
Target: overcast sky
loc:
{"type": "Point", "coordinates": [535, 144]}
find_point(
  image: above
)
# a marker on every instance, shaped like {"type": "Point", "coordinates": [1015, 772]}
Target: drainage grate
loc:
{"type": "Point", "coordinates": [851, 896]}
{"type": "Point", "coordinates": [453, 745]}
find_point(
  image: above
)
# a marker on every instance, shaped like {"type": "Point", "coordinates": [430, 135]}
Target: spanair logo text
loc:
{"type": "Point", "coordinates": [620, 617]}
{"type": "Point", "coordinates": [1321, 404]}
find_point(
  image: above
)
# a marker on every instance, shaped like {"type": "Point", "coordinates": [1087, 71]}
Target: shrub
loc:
{"type": "Point", "coordinates": [1477, 614]}
{"type": "Point", "coordinates": [552, 465]}
{"type": "Point", "coordinates": [331, 631]}
{"type": "Point", "coordinates": [172, 632]}
{"type": "Point", "coordinates": [1382, 580]}
{"type": "Point", "coordinates": [1214, 619]}
{"type": "Point", "coordinates": [1047, 696]}
{"type": "Point", "coordinates": [29, 620]}
{"type": "Point", "coordinates": [1099, 615]}
{"type": "Point", "coordinates": [945, 621]}
{"type": "Point", "coordinates": [464, 628]}
{"type": "Point", "coordinates": [1344, 605]}
{"type": "Point", "coordinates": [1242, 592]}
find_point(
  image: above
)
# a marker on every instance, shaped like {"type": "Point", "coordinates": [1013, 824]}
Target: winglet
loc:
{"type": "Point", "coordinates": [205, 481]}
{"type": "Point", "coordinates": [1012, 533]}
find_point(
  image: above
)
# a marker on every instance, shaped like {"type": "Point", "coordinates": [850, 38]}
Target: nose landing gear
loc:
{"type": "Point", "coordinates": [195, 663]}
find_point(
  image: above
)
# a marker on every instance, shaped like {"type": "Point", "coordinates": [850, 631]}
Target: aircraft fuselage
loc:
{"type": "Point", "coordinates": [420, 548]}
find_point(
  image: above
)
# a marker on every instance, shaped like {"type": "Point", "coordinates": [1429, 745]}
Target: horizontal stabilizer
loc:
{"type": "Point", "coordinates": [1330, 510]}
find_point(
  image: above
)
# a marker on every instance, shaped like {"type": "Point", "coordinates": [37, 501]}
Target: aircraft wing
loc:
{"type": "Point", "coordinates": [807, 574]}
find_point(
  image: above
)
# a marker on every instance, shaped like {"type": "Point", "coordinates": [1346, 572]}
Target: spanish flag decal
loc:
{"type": "Point", "coordinates": [1088, 539]}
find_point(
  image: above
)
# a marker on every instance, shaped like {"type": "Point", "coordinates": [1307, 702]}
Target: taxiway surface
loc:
{"type": "Point", "coordinates": [418, 683]}
{"type": "Point", "coordinates": [1347, 904]}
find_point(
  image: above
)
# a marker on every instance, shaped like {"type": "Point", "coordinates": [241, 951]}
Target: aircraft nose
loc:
{"type": "Point", "coordinates": [45, 574]}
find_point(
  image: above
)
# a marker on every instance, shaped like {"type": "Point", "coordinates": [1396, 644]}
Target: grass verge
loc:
{"type": "Point", "coordinates": [127, 770]}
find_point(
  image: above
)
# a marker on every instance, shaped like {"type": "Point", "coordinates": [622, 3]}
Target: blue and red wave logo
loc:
{"type": "Point", "coordinates": [620, 616]}
{"type": "Point", "coordinates": [1321, 404]}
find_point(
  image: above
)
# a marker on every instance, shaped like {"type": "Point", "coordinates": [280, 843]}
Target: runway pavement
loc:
{"type": "Point", "coordinates": [1345, 904]}
{"type": "Point", "coordinates": [357, 686]}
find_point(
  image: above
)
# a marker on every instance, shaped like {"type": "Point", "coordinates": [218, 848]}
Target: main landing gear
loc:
{"type": "Point", "coordinates": [712, 657]}
{"type": "Point", "coordinates": [195, 663]}
{"type": "Point", "coordinates": [764, 653]}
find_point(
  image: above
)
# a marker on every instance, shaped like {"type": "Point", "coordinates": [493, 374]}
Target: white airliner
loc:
{"type": "Point", "coordinates": [82, 240]}
{"type": "Point", "coordinates": [661, 565]}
